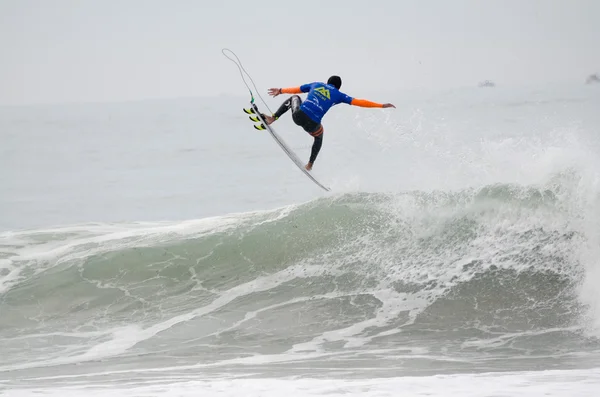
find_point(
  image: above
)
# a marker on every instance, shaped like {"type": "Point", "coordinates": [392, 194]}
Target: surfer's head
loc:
{"type": "Point", "coordinates": [335, 81]}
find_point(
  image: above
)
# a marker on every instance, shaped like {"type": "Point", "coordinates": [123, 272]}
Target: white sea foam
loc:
{"type": "Point", "coordinates": [583, 383]}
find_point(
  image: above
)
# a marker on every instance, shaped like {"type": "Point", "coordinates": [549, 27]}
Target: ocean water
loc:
{"type": "Point", "coordinates": [167, 248]}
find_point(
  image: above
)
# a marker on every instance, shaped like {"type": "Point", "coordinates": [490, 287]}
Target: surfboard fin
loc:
{"type": "Point", "coordinates": [260, 127]}
{"type": "Point", "coordinates": [255, 119]}
{"type": "Point", "coordinates": [249, 111]}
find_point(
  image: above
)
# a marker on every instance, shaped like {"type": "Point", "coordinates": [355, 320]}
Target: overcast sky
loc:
{"type": "Point", "coordinates": [104, 50]}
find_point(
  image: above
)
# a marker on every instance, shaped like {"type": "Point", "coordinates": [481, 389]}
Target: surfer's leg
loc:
{"type": "Point", "coordinates": [292, 102]}
{"type": "Point", "coordinates": [296, 103]}
{"type": "Point", "coordinates": [316, 147]}
{"type": "Point", "coordinates": [302, 120]}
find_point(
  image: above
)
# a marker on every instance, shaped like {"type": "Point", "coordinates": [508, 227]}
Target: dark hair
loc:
{"type": "Point", "coordinates": [335, 81]}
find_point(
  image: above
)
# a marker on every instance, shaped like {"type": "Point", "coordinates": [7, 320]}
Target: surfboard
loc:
{"type": "Point", "coordinates": [254, 110]}
{"type": "Point", "coordinates": [293, 156]}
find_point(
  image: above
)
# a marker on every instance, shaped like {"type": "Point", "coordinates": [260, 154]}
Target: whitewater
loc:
{"type": "Point", "coordinates": [165, 247]}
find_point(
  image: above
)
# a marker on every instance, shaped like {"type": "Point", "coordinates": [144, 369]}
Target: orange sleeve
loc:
{"type": "Point", "coordinates": [363, 103]}
{"type": "Point", "coordinates": [291, 90]}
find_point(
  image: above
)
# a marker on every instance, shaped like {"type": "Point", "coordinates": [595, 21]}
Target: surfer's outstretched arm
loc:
{"type": "Point", "coordinates": [291, 90]}
{"type": "Point", "coordinates": [363, 103]}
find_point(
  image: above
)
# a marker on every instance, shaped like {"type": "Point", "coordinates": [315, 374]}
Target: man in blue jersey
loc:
{"type": "Point", "coordinates": [308, 114]}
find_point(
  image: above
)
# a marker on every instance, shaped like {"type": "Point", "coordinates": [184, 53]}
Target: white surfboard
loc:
{"type": "Point", "coordinates": [289, 151]}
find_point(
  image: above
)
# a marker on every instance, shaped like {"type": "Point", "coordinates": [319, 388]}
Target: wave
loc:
{"type": "Point", "coordinates": [499, 268]}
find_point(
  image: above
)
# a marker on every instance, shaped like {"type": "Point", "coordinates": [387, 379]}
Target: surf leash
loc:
{"type": "Point", "coordinates": [243, 73]}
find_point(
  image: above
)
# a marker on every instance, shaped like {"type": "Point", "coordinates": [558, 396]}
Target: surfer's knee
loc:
{"type": "Point", "coordinates": [296, 102]}
{"type": "Point", "coordinates": [318, 133]}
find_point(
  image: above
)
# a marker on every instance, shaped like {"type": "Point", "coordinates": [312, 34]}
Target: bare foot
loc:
{"type": "Point", "coordinates": [308, 166]}
{"type": "Point", "coordinates": [268, 119]}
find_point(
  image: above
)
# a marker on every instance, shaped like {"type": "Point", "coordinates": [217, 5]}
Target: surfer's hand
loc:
{"type": "Point", "coordinates": [308, 166]}
{"type": "Point", "coordinates": [388, 105]}
{"type": "Point", "coordinates": [274, 92]}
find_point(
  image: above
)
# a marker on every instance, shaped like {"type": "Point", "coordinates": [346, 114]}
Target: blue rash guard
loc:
{"type": "Point", "coordinates": [321, 97]}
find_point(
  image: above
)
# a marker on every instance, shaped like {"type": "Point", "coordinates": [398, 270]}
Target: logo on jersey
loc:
{"type": "Point", "coordinates": [324, 92]}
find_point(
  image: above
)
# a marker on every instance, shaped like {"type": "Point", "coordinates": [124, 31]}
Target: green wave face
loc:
{"type": "Point", "coordinates": [342, 276]}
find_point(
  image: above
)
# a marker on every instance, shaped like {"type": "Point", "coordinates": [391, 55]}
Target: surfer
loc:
{"type": "Point", "coordinates": [308, 114]}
